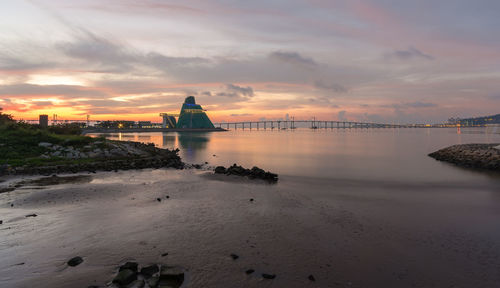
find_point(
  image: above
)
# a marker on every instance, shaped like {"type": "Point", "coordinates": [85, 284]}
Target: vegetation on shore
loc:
{"type": "Point", "coordinates": [31, 149]}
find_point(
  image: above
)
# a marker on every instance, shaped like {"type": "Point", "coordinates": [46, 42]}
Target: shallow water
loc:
{"type": "Point", "coordinates": [359, 208]}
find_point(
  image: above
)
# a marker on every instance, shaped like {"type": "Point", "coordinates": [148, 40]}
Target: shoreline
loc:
{"type": "Point", "coordinates": [476, 156]}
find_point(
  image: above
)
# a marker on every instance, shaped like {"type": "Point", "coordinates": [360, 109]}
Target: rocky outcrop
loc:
{"type": "Point", "coordinates": [478, 156]}
{"type": "Point", "coordinates": [254, 173]}
{"type": "Point", "coordinates": [98, 156]}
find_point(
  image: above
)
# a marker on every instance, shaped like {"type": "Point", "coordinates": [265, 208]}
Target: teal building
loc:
{"type": "Point", "coordinates": [193, 116]}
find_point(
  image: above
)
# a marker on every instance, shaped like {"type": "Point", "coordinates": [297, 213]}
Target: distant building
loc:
{"type": "Point", "coordinates": [145, 124]}
{"type": "Point", "coordinates": [193, 116]}
{"type": "Point", "coordinates": [43, 120]}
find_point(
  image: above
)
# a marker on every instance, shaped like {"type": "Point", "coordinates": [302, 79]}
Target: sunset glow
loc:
{"type": "Point", "coordinates": [363, 60]}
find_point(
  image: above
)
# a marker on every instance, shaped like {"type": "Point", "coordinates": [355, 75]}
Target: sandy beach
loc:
{"type": "Point", "coordinates": [345, 233]}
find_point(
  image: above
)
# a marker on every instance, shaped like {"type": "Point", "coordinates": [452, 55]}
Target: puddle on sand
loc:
{"type": "Point", "coordinates": [47, 181]}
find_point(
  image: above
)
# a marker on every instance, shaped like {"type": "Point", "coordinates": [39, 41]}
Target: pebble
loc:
{"type": "Point", "coordinates": [234, 256]}
{"type": "Point", "coordinates": [249, 271]}
{"type": "Point", "coordinates": [158, 199]}
{"type": "Point", "coordinates": [75, 261]}
{"type": "Point", "coordinates": [311, 277]}
{"type": "Point", "coordinates": [268, 276]}
{"type": "Point", "coordinates": [164, 254]}
{"type": "Point", "coordinates": [31, 215]}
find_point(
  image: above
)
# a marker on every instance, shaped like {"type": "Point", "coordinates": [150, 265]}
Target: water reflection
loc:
{"type": "Point", "coordinates": [384, 154]}
{"type": "Point", "coordinates": [192, 143]}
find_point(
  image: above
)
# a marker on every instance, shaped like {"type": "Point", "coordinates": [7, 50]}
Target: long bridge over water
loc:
{"type": "Point", "coordinates": [317, 124]}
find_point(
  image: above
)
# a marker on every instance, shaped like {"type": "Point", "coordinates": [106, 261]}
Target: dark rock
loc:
{"type": "Point", "coordinates": [75, 261]}
{"type": "Point", "coordinates": [154, 281]}
{"type": "Point", "coordinates": [249, 271]}
{"type": "Point", "coordinates": [11, 205]}
{"type": "Point", "coordinates": [251, 199]}
{"type": "Point", "coordinates": [220, 170]}
{"type": "Point", "coordinates": [125, 277]}
{"type": "Point", "coordinates": [171, 276]}
{"type": "Point", "coordinates": [130, 266]}
{"type": "Point", "coordinates": [234, 256]}
{"type": "Point", "coordinates": [164, 254]}
{"type": "Point", "coordinates": [136, 284]}
{"type": "Point", "coordinates": [197, 166]}
{"type": "Point", "coordinates": [1, 221]}
{"type": "Point", "coordinates": [20, 264]}
{"type": "Point", "coordinates": [311, 277]}
{"type": "Point", "coordinates": [206, 162]}
{"type": "Point", "coordinates": [254, 173]}
{"type": "Point", "coordinates": [31, 215]}
{"type": "Point", "coordinates": [268, 276]}
{"type": "Point", "coordinates": [167, 197]}
{"type": "Point", "coordinates": [158, 199]}
{"type": "Point", "coordinates": [149, 271]}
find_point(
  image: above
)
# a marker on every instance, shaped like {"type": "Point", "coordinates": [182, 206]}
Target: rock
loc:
{"type": "Point", "coordinates": [75, 261]}
{"type": "Point", "coordinates": [167, 197]}
{"type": "Point", "coordinates": [158, 199]}
{"type": "Point", "coordinates": [31, 215]}
{"type": "Point", "coordinates": [125, 277]}
{"type": "Point", "coordinates": [311, 278]}
{"type": "Point", "coordinates": [268, 276]}
{"type": "Point", "coordinates": [130, 266]}
{"type": "Point", "coordinates": [164, 254]}
{"type": "Point", "coordinates": [1, 222]}
{"type": "Point", "coordinates": [136, 284]}
{"type": "Point", "coordinates": [234, 256]}
{"type": "Point", "coordinates": [249, 271]}
{"type": "Point", "coordinates": [154, 281]}
{"type": "Point", "coordinates": [171, 276]}
{"type": "Point", "coordinates": [197, 166]}
{"type": "Point", "coordinates": [45, 144]}
{"type": "Point", "coordinates": [251, 199]}
{"type": "Point", "coordinates": [149, 271]}
{"type": "Point", "coordinates": [220, 170]}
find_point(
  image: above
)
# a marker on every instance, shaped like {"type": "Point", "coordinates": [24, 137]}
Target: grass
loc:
{"type": "Point", "coordinates": [19, 144]}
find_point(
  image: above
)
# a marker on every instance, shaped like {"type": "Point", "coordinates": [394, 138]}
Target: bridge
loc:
{"type": "Point", "coordinates": [317, 124]}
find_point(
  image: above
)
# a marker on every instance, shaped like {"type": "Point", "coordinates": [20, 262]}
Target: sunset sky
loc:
{"type": "Point", "coordinates": [365, 60]}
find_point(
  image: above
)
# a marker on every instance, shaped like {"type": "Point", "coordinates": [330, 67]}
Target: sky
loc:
{"type": "Point", "coordinates": [387, 61]}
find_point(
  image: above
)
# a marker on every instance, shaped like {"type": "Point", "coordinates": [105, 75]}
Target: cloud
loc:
{"type": "Point", "coordinates": [49, 90]}
{"type": "Point", "coordinates": [330, 87]}
{"type": "Point", "coordinates": [293, 58]}
{"type": "Point", "coordinates": [240, 115]}
{"type": "Point", "coordinates": [416, 105]}
{"type": "Point", "coordinates": [410, 54]}
{"type": "Point", "coordinates": [235, 91]}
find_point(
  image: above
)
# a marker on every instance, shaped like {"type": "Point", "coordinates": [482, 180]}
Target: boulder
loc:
{"type": "Point", "coordinates": [149, 271]}
{"type": "Point", "coordinates": [171, 276]}
{"type": "Point", "coordinates": [125, 277]}
{"type": "Point", "coordinates": [136, 284]}
{"type": "Point", "coordinates": [154, 281]}
{"type": "Point", "coordinates": [45, 144]}
{"type": "Point", "coordinates": [220, 170]}
{"type": "Point", "coordinates": [130, 266]}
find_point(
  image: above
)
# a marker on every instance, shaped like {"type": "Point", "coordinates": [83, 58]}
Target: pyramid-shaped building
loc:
{"type": "Point", "coordinates": [193, 116]}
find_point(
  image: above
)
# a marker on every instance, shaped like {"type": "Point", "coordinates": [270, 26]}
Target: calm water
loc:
{"type": "Point", "coordinates": [368, 154]}
{"type": "Point", "coordinates": [354, 208]}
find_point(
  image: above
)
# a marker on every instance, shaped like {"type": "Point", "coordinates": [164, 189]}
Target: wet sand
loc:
{"type": "Point", "coordinates": [345, 232]}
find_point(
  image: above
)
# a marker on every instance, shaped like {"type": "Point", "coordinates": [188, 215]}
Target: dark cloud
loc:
{"type": "Point", "coordinates": [293, 58]}
{"type": "Point", "coordinates": [244, 91]}
{"type": "Point", "coordinates": [12, 63]}
{"type": "Point", "coordinates": [330, 87]}
{"type": "Point", "coordinates": [409, 54]}
{"type": "Point", "coordinates": [235, 91]}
